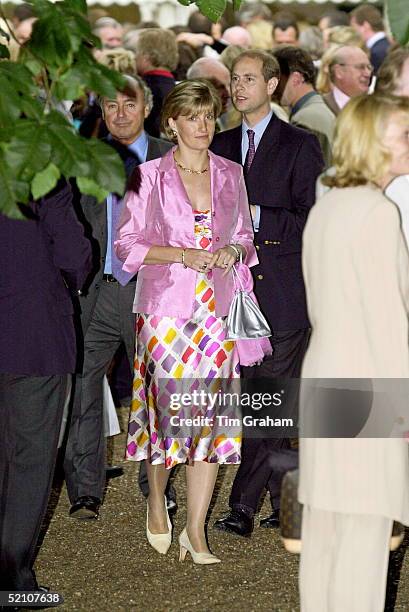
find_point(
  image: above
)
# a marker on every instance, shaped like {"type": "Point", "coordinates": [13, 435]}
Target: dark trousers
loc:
{"type": "Point", "coordinates": [112, 323]}
{"type": "Point", "coordinates": [31, 410]}
{"type": "Point", "coordinates": [265, 461]}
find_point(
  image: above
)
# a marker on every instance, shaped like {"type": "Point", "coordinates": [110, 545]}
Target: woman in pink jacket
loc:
{"type": "Point", "coordinates": [186, 222]}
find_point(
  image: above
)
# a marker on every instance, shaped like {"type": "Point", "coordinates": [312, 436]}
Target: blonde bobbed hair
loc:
{"type": "Point", "coordinates": [345, 35]}
{"type": "Point", "coordinates": [189, 98]}
{"type": "Point", "coordinates": [323, 82]}
{"type": "Point", "coordinates": [359, 155]}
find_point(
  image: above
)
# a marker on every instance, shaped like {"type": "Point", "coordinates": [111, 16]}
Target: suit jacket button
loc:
{"type": "Point", "coordinates": [257, 247]}
{"type": "Point", "coordinates": [260, 276]}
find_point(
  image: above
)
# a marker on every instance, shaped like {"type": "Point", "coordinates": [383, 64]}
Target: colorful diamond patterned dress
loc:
{"type": "Point", "coordinates": [172, 354]}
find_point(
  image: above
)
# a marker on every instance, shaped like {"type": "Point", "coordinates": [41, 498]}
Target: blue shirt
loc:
{"type": "Point", "coordinates": [258, 130]}
{"type": "Point", "coordinates": [140, 148]}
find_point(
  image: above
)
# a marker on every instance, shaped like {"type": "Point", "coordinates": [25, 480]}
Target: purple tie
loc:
{"type": "Point", "coordinates": [121, 276]}
{"type": "Point", "coordinates": [251, 151]}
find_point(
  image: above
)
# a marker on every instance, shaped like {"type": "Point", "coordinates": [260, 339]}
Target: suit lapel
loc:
{"type": "Point", "coordinates": [330, 100]}
{"type": "Point", "coordinates": [153, 150]}
{"type": "Point", "coordinates": [235, 145]}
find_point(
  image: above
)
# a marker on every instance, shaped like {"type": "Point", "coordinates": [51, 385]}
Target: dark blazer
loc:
{"type": "Point", "coordinates": [281, 181]}
{"type": "Point", "coordinates": [94, 217]}
{"type": "Point", "coordinates": [42, 258]}
{"type": "Point", "coordinates": [378, 53]}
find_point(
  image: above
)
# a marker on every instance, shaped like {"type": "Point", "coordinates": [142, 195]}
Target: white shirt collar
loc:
{"type": "Point", "coordinates": [340, 97]}
{"type": "Point", "coordinates": [374, 39]}
{"type": "Point", "coordinates": [259, 128]}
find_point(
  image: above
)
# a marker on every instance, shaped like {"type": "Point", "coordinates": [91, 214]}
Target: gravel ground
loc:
{"type": "Point", "coordinates": [108, 566]}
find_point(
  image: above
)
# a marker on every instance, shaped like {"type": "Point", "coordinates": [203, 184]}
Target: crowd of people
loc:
{"type": "Point", "coordinates": [236, 159]}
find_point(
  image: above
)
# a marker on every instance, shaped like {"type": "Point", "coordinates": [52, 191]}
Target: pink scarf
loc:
{"type": "Point", "coordinates": [251, 351]}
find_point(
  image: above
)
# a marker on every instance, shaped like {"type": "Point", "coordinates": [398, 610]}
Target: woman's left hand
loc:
{"type": "Point", "coordinates": [224, 258]}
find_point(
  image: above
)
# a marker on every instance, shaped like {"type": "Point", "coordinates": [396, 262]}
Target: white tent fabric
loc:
{"type": "Point", "coordinates": [175, 3]}
{"type": "Point", "coordinates": [170, 12]}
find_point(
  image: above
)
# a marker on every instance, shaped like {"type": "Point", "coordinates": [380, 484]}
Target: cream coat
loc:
{"type": "Point", "coordinates": [356, 274]}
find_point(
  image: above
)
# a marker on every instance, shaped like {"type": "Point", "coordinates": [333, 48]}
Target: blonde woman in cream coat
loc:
{"type": "Point", "coordinates": [356, 272]}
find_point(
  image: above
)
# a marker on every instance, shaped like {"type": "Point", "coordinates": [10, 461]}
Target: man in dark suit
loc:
{"type": "Point", "coordinates": [281, 165]}
{"type": "Point", "coordinates": [42, 257]}
{"type": "Point", "coordinates": [106, 306]}
{"type": "Point", "coordinates": [367, 21]}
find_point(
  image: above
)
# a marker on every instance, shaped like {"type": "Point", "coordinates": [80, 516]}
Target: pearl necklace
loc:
{"type": "Point", "coordinates": [189, 170]}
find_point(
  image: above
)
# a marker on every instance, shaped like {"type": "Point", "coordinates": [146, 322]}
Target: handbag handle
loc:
{"type": "Point", "coordinates": [236, 276]}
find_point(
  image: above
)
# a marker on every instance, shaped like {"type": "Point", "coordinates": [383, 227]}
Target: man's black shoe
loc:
{"type": "Point", "coordinates": [171, 505]}
{"type": "Point", "coordinates": [113, 471]}
{"type": "Point", "coordinates": [272, 521]}
{"type": "Point", "coordinates": [236, 522]}
{"type": "Point", "coordinates": [85, 507]}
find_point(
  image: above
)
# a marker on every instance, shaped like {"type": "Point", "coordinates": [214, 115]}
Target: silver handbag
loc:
{"type": "Point", "coordinates": [245, 319]}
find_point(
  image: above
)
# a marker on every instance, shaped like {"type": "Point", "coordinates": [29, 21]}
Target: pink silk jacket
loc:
{"type": "Point", "coordinates": [160, 214]}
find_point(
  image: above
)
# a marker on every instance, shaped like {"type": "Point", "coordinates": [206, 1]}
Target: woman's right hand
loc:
{"type": "Point", "coordinates": [198, 259]}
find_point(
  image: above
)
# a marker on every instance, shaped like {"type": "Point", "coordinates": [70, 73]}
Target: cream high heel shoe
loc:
{"type": "Point", "coordinates": [202, 558]}
{"type": "Point", "coordinates": [159, 541]}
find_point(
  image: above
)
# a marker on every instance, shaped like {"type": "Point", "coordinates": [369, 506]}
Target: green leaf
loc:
{"type": "Point", "coordinates": [78, 26]}
{"type": "Point", "coordinates": [78, 5]}
{"type": "Point", "coordinates": [50, 40]}
{"type": "Point", "coordinates": [11, 192]}
{"type": "Point", "coordinates": [398, 18]}
{"type": "Point", "coordinates": [37, 146]}
{"type": "Point", "coordinates": [4, 52]}
{"type": "Point", "coordinates": [91, 188]}
{"type": "Point", "coordinates": [71, 85]}
{"type": "Point", "coordinates": [32, 109]}
{"type": "Point", "coordinates": [213, 9]}
{"type": "Point", "coordinates": [56, 118]}
{"type": "Point", "coordinates": [9, 207]}
{"type": "Point", "coordinates": [6, 134]}
{"type": "Point", "coordinates": [33, 65]}
{"type": "Point", "coordinates": [28, 151]}
{"type": "Point", "coordinates": [186, 2]}
{"type": "Point", "coordinates": [9, 102]}
{"type": "Point", "coordinates": [69, 151]}
{"type": "Point", "coordinates": [18, 75]}
{"type": "Point", "coordinates": [45, 181]}
{"type": "Point", "coordinates": [236, 5]}
{"type": "Point", "coordinates": [106, 166]}
{"type": "Point", "coordinates": [105, 82]}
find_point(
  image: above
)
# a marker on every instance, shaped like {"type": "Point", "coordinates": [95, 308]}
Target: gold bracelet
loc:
{"type": "Point", "coordinates": [237, 251]}
{"type": "Point", "coordinates": [183, 258]}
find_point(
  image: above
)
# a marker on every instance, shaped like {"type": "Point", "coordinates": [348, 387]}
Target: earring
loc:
{"type": "Point", "coordinates": [174, 133]}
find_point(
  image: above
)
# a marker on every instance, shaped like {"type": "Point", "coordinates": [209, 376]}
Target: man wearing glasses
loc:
{"type": "Point", "coordinates": [350, 74]}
